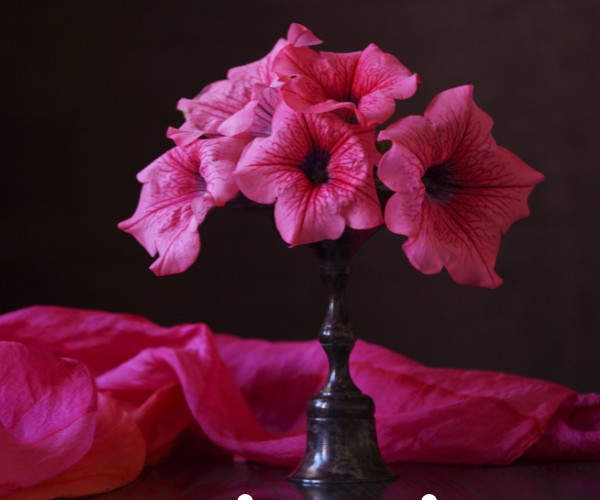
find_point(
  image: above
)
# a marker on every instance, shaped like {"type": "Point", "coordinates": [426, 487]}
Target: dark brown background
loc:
{"type": "Point", "coordinates": [89, 88]}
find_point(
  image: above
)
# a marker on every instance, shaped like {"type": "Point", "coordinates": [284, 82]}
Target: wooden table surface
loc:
{"type": "Point", "coordinates": [221, 479]}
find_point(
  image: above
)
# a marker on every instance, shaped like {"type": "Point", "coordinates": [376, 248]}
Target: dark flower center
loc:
{"type": "Point", "coordinates": [348, 115]}
{"type": "Point", "coordinates": [314, 165]}
{"type": "Point", "coordinates": [441, 182]}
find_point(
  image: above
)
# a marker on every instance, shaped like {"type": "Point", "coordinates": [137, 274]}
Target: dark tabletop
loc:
{"type": "Point", "coordinates": [221, 479]}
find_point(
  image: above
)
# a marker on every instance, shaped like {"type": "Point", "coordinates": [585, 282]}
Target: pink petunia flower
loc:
{"type": "Point", "coordinates": [318, 172]}
{"type": "Point", "coordinates": [179, 189]}
{"type": "Point", "coordinates": [244, 103]}
{"type": "Point", "coordinates": [456, 190]}
{"type": "Point", "coordinates": [358, 85]}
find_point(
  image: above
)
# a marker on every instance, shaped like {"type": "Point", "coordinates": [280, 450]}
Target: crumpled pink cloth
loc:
{"type": "Point", "coordinates": [88, 397]}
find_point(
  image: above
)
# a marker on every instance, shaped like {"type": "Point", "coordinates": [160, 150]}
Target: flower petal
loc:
{"type": "Point", "coordinates": [308, 214]}
{"type": "Point", "coordinates": [47, 415]}
{"type": "Point", "coordinates": [254, 119]}
{"type": "Point", "coordinates": [364, 82]}
{"type": "Point", "coordinates": [379, 79]}
{"type": "Point", "coordinates": [273, 170]}
{"type": "Point", "coordinates": [316, 82]}
{"type": "Point", "coordinates": [179, 189]}
{"type": "Point", "coordinates": [301, 36]}
{"type": "Point", "coordinates": [456, 190]}
{"type": "Point", "coordinates": [209, 109]}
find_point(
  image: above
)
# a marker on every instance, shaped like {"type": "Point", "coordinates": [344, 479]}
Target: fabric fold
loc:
{"type": "Point", "coordinates": [247, 397]}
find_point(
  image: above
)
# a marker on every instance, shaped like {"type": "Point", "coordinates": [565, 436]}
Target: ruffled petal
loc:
{"type": "Point", "coordinates": [379, 79]}
{"type": "Point", "coordinates": [209, 109]}
{"type": "Point", "coordinates": [310, 209]}
{"type": "Point", "coordinates": [218, 159]}
{"type": "Point", "coordinates": [164, 222]}
{"type": "Point", "coordinates": [456, 190]}
{"type": "Point", "coordinates": [264, 171]}
{"type": "Point", "coordinates": [415, 147]}
{"type": "Point", "coordinates": [301, 36]}
{"type": "Point", "coordinates": [459, 123]}
{"type": "Point", "coordinates": [179, 189]}
{"type": "Point", "coordinates": [362, 83]}
{"type": "Point", "coordinates": [316, 82]}
{"type": "Point", "coordinates": [254, 119]}
{"type": "Point", "coordinates": [307, 214]}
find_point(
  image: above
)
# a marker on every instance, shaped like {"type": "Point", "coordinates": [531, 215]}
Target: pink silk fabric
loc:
{"type": "Point", "coordinates": [88, 397]}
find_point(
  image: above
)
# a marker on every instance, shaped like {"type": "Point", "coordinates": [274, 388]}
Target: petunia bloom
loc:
{"type": "Point", "coordinates": [317, 171]}
{"type": "Point", "coordinates": [360, 86]}
{"type": "Point", "coordinates": [243, 104]}
{"type": "Point", "coordinates": [456, 190]}
{"type": "Point", "coordinates": [179, 189]}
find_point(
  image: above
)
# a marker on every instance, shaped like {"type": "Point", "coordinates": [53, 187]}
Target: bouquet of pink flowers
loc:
{"type": "Point", "coordinates": [302, 130]}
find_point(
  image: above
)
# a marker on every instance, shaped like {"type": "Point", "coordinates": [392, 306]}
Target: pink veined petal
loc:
{"type": "Point", "coordinates": [308, 214]}
{"type": "Point", "coordinates": [209, 109]}
{"type": "Point", "coordinates": [47, 415]}
{"type": "Point", "coordinates": [456, 190]}
{"type": "Point", "coordinates": [301, 36]}
{"type": "Point", "coordinates": [254, 119]}
{"type": "Point", "coordinates": [260, 174]}
{"type": "Point", "coordinates": [230, 107]}
{"type": "Point", "coordinates": [184, 135]}
{"type": "Point", "coordinates": [379, 79]}
{"type": "Point", "coordinates": [351, 185]}
{"type": "Point", "coordinates": [114, 460]}
{"type": "Point", "coordinates": [308, 209]}
{"type": "Point", "coordinates": [415, 146]}
{"type": "Point", "coordinates": [365, 83]}
{"type": "Point", "coordinates": [179, 189]}
{"type": "Point", "coordinates": [241, 122]}
{"type": "Point", "coordinates": [316, 82]}
{"type": "Point", "coordinates": [164, 222]}
{"type": "Point", "coordinates": [459, 123]}
{"type": "Point", "coordinates": [218, 159]}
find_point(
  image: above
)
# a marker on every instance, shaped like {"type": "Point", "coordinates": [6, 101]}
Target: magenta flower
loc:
{"type": "Point", "coordinates": [317, 171]}
{"type": "Point", "coordinates": [456, 190]}
{"type": "Point", "coordinates": [361, 85]}
{"type": "Point", "coordinates": [243, 104]}
{"type": "Point", "coordinates": [179, 189]}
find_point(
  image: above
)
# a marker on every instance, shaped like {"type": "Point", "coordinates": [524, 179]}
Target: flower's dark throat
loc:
{"type": "Point", "coordinates": [314, 165]}
{"type": "Point", "coordinates": [348, 115]}
{"type": "Point", "coordinates": [441, 183]}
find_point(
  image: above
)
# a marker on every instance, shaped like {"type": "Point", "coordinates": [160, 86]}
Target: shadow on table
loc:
{"type": "Point", "coordinates": [223, 480]}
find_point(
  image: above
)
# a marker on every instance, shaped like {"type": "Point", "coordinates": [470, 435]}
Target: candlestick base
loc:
{"type": "Point", "coordinates": [341, 443]}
